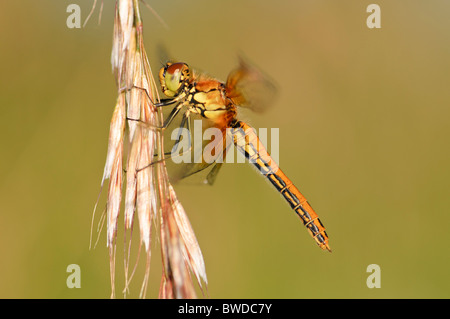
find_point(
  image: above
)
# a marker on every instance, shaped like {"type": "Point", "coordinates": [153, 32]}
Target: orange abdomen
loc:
{"type": "Point", "coordinates": [246, 140]}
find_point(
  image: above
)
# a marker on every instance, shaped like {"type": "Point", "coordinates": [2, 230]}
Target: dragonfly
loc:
{"type": "Point", "coordinates": [216, 102]}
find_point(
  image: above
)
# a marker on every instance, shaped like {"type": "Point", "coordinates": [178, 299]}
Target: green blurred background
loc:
{"type": "Point", "coordinates": [364, 123]}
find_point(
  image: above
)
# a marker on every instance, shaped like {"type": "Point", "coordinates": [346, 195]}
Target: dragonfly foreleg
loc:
{"type": "Point", "coordinates": [166, 123]}
{"type": "Point", "coordinates": [145, 124]}
{"type": "Point", "coordinates": [126, 89]}
{"type": "Point", "coordinates": [163, 102]}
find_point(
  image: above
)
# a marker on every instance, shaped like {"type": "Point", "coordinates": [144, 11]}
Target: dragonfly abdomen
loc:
{"type": "Point", "coordinates": [246, 140]}
{"type": "Point", "coordinates": [301, 206]}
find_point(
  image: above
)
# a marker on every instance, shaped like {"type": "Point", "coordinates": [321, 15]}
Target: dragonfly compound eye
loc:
{"type": "Point", "coordinates": [174, 75]}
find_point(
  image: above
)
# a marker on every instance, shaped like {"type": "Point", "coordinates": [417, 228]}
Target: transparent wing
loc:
{"type": "Point", "coordinates": [249, 87]}
{"type": "Point", "coordinates": [199, 157]}
{"type": "Point", "coordinates": [163, 54]}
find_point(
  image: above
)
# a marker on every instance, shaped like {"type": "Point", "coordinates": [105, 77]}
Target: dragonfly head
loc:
{"type": "Point", "coordinates": [173, 78]}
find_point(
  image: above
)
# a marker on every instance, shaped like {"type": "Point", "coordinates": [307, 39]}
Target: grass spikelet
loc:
{"type": "Point", "coordinates": [149, 196]}
{"type": "Point", "coordinates": [192, 253]}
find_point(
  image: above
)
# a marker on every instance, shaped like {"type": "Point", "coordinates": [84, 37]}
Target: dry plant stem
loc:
{"type": "Point", "coordinates": [176, 271]}
{"type": "Point", "coordinates": [147, 191]}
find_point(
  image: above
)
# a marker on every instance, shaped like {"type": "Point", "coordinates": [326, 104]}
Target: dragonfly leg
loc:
{"type": "Point", "coordinates": [211, 177]}
{"type": "Point", "coordinates": [125, 88]}
{"type": "Point", "coordinates": [163, 102]}
{"type": "Point", "coordinates": [184, 122]}
{"type": "Point", "coordinates": [146, 125]}
{"type": "Point", "coordinates": [166, 123]}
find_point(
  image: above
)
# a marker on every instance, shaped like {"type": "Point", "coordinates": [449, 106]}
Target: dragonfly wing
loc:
{"type": "Point", "coordinates": [248, 87]}
{"type": "Point", "coordinates": [204, 158]}
{"type": "Point", "coordinates": [211, 177]}
{"type": "Point", "coordinates": [163, 54]}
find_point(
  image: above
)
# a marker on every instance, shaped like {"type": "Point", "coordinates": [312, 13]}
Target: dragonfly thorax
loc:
{"type": "Point", "coordinates": [208, 98]}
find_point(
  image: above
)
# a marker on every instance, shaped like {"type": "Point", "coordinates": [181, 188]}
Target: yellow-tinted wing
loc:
{"type": "Point", "coordinates": [248, 87]}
